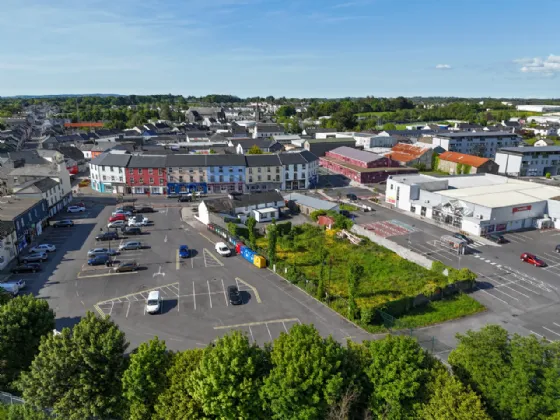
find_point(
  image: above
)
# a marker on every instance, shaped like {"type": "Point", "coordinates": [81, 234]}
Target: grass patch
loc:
{"type": "Point", "coordinates": [348, 207]}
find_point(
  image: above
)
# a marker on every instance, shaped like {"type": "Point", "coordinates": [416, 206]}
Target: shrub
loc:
{"type": "Point", "coordinates": [284, 228]}
{"type": "Point", "coordinates": [548, 175]}
{"type": "Point", "coordinates": [315, 214]}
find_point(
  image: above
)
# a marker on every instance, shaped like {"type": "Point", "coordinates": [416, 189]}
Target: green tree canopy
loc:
{"type": "Point", "coordinates": [23, 321]}
{"type": "Point", "coordinates": [145, 378]}
{"type": "Point", "coordinates": [255, 150]}
{"type": "Point", "coordinates": [78, 373]}
{"type": "Point", "coordinates": [389, 126]}
{"type": "Point", "coordinates": [286, 111]}
{"type": "Point", "coordinates": [226, 382]}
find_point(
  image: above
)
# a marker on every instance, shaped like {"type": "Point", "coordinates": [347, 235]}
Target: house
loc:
{"type": "Point", "coordinates": [186, 173]}
{"type": "Point", "coordinates": [544, 143]}
{"type": "Point", "coordinates": [321, 146]}
{"type": "Point", "coordinates": [237, 130]}
{"type": "Point", "coordinates": [466, 127]}
{"type": "Point", "coordinates": [511, 126]}
{"type": "Point", "coordinates": [542, 131]}
{"type": "Point", "coordinates": [197, 136]}
{"type": "Point", "coordinates": [45, 188]}
{"type": "Point", "coordinates": [286, 138]}
{"type": "Point", "coordinates": [241, 206]}
{"type": "Point", "coordinates": [370, 141]}
{"type": "Point", "coordinates": [197, 115]}
{"type": "Point", "coordinates": [162, 128]}
{"type": "Point", "coordinates": [265, 145]}
{"type": "Point", "coordinates": [225, 173]}
{"type": "Point", "coordinates": [460, 163]}
{"type": "Point", "coordinates": [529, 161]}
{"type": "Point", "coordinates": [308, 205]}
{"type": "Point", "coordinates": [146, 175]}
{"type": "Point", "coordinates": [416, 155]}
{"type": "Point", "coordinates": [481, 143]}
{"type": "Point", "coordinates": [301, 170]}
{"type": "Point", "coordinates": [312, 131]}
{"type": "Point", "coordinates": [7, 243]}
{"type": "Point", "coordinates": [107, 173]}
{"type": "Point", "coordinates": [265, 130]}
{"type": "Point", "coordinates": [263, 173]}
{"type": "Point", "coordinates": [74, 158]}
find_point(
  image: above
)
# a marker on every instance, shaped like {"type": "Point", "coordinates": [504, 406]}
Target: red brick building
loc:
{"type": "Point", "coordinates": [362, 167]}
{"type": "Point", "coordinates": [146, 174]}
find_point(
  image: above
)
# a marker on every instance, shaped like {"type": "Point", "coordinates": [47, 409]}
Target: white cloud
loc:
{"type": "Point", "coordinates": [547, 66]}
{"type": "Point", "coordinates": [443, 67]}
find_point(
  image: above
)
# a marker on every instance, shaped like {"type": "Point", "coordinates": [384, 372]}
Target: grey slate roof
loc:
{"type": "Point", "coordinates": [179, 161]}
{"type": "Point", "coordinates": [356, 154]}
{"type": "Point", "coordinates": [315, 203]}
{"type": "Point", "coordinates": [262, 160]}
{"type": "Point", "coordinates": [71, 152]}
{"type": "Point", "coordinates": [476, 134]}
{"type": "Point", "coordinates": [111, 159]}
{"type": "Point", "coordinates": [31, 157]}
{"type": "Point", "coordinates": [227, 205]}
{"type": "Point", "coordinates": [225, 160]}
{"type": "Point", "coordinates": [46, 184]}
{"type": "Point", "coordinates": [292, 158]}
{"type": "Point", "coordinates": [144, 161]}
{"type": "Point", "coordinates": [269, 128]}
{"type": "Point", "coordinates": [535, 149]}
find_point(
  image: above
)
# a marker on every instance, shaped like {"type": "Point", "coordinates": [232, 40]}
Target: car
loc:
{"type": "Point", "coordinates": [11, 288]}
{"type": "Point", "coordinates": [223, 249]}
{"type": "Point", "coordinates": [99, 259]}
{"type": "Point", "coordinates": [131, 230]}
{"type": "Point", "coordinates": [117, 217]}
{"type": "Point", "coordinates": [144, 210]}
{"type": "Point", "coordinates": [185, 198]}
{"type": "Point", "coordinates": [126, 208]}
{"type": "Point", "coordinates": [138, 221]}
{"type": "Point", "coordinates": [463, 237]}
{"type": "Point", "coordinates": [120, 211]}
{"type": "Point", "coordinates": [27, 268]}
{"type": "Point", "coordinates": [352, 197]}
{"type": "Point", "coordinates": [557, 249]}
{"type": "Point", "coordinates": [234, 295]}
{"type": "Point", "coordinates": [36, 256]}
{"type": "Point", "coordinates": [21, 284]}
{"type": "Point", "coordinates": [43, 248]}
{"type": "Point", "coordinates": [532, 259]}
{"type": "Point", "coordinates": [63, 223]}
{"type": "Point", "coordinates": [75, 209]}
{"type": "Point", "coordinates": [130, 245]}
{"type": "Point", "coordinates": [101, 251]}
{"type": "Point", "coordinates": [499, 239]}
{"type": "Point", "coordinates": [184, 251]}
{"type": "Point", "coordinates": [107, 236]}
{"type": "Point", "coordinates": [116, 224]}
{"type": "Point", "coordinates": [173, 196]}
{"type": "Point", "coordinates": [153, 303]}
{"type": "Point", "coordinates": [126, 266]}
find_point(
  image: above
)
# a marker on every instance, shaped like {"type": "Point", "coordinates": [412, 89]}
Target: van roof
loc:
{"type": "Point", "coordinates": [154, 294]}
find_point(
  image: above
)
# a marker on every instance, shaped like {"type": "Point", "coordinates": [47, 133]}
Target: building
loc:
{"type": "Point", "coordinates": [263, 173]}
{"type": "Point", "coordinates": [186, 173]}
{"type": "Point", "coordinates": [301, 170]}
{"type": "Point", "coordinates": [107, 173]}
{"type": "Point", "coordinates": [225, 173]}
{"type": "Point", "coordinates": [264, 130]}
{"type": "Point", "coordinates": [286, 138]}
{"type": "Point", "coordinates": [481, 143]}
{"type": "Point", "coordinates": [538, 108]}
{"type": "Point", "coordinates": [197, 115]}
{"type": "Point", "coordinates": [369, 141]}
{"type": "Point", "coordinates": [313, 130]}
{"type": "Point", "coordinates": [265, 145]}
{"type": "Point", "coordinates": [46, 188]}
{"type": "Point", "coordinates": [477, 204]}
{"type": "Point", "coordinates": [321, 146]}
{"type": "Point", "coordinates": [460, 163]}
{"type": "Point", "coordinates": [308, 205]}
{"type": "Point", "coordinates": [529, 161]}
{"type": "Point", "coordinates": [146, 175]}
{"type": "Point", "coordinates": [241, 206]}
{"type": "Point", "coordinates": [412, 155]}
{"type": "Point", "coordinates": [362, 167]}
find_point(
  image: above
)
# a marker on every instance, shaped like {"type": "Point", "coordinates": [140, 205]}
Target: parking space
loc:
{"type": "Point", "coordinates": [262, 332]}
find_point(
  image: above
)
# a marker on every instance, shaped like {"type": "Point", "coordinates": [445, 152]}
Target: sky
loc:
{"type": "Point", "coordinates": [292, 48]}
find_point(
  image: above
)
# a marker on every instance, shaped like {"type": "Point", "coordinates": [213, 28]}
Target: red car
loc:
{"type": "Point", "coordinates": [117, 217]}
{"type": "Point", "coordinates": [532, 259]}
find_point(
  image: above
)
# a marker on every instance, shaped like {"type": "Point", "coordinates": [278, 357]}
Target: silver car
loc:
{"type": "Point", "coordinates": [38, 256]}
{"type": "Point", "coordinates": [130, 245]}
{"type": "Point", "coordinates": [101, 251]}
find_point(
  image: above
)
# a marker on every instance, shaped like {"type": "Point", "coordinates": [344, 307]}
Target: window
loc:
{"type": "Point", "coordinates": [191, 170]}
{"type": "Point", "coordinates": [141, 180]}
{"type": "Point", "coordinates": [35, 212]}
{"type": "Point", "coordinates": [160, 171]}
{"type": "Point", "coordinates": [212, 179]}
{"type": "Point", "coordinates": [150, 171]}
{"type": "Point", "coordinates": [268, 169]}
{"type": "Point", "coordinates": [259, 170]}
{"type": "Point", "coordinates": [250, 179]}
{"type": "Point", "coordinates": [130, 170]}
{"type": "Point", "coordinates": [121, 179]}
{"type": "Point", "coordinates": [191, 178]}
{"type": "Point", "coordinates": [259, 178]}
{"type": "Point", "coordinates": [221, 178]}
{"type": "Point", "coordinates": [180, 178]}
{"type": "Point", "coordinates": [151, 181]}
{"type": "Point", "coordinates": [391, 187]}
{"type": "Point", "coordinates": [230, 169]}
{"type": "Point", "coordinates": [277, 178]}
{"type": "Point", "coordinates": [423, 211]}
{"type": "Point", "coordinates": [120, 170]}
{"type": "Point", "coordinates": [170, 169]}
{"type": "Point", "coordinates": [29, 215]}
{"type": "Point", "coordinates": [250, 170]}
{"type": "Point", "coordinates": [140, 171]}
{"type": "Point", "coordinates": [104, 178]}
{"type": "Point", "coordinates": [103, 167]}
{"type": "Point", "coordinates": [112, 168]}
{"type": "Point", "coordinates": [269, 177]}
{"type": "Point", "coordinates": [180, 170]}
{"type": "Point", "coordinates": [220, 169]}
{"type": "Point", "coordinates": [240, 170]}
{"type": "Point", "coordinates": [112, 178]}
{"type": "Point", "coordinates": [412, 209]}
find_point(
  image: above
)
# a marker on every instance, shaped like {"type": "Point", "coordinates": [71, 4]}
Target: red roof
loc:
{"type": "Point", "coordinates": [463, 158]}
{"type": "Point", "coordinates": [402, 152]}
{"type": "Point", "coordinates": [83, 124]}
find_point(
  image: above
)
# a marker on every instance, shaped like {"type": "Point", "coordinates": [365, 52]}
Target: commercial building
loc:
{"type": "Point", "coordinates": [538, 108]}
{"type": "Point", "coordinates": [307, 204]}
{"type": "Point", "coordinates": [301, 170]}
{"type": "Point", "coordinates": [321, 146]}
{"type": "Point", "coordinates": [107, 173]}
{"type": "Point", "coordinates": [529, 161]}
{"type": "Point", "coordinates": [46, 188]}
{"type": "Point", "coordinates": [186, 173]}
{"type": "Point", "coordinates": [478, 143]}
{"type": "Point", "coordinates": [146, 175]}
{"type": "Point", "coordinates": [461, 163]}
{"type": "Point", "coordinates": [412, 155]}
{"type": "Point", "coordinates": [225, 173]}
{"type": "Point", "coordinates": [263, 173]}
{"type": "Point", "coordinates": [477, 204]}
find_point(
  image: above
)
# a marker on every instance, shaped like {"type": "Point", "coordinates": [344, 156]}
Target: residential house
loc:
{"type": "Point", "coordinates": [186, 173]}
{"type": "Point", "coordinates": [544, 143]}
{"type": "Point", "coordinates": [194, 136]}
{"type": "Point", "coordinates": [313, 130]}
{"type": "Point", "coordinates": [197, 115]}
{"type": "Point", "coordinates": [482, 143]}
{"type": "Point", "coordinates": [73, 155]}
{"type": "Point", "coordinates": [46, 188]}
{"type": "Point", "coordinates": [237, 130]}
{"type": "Point", "coordinates": [460, 163]}
{"type": "Point", "coordinates": [284, 139]}
{"type": "Point", "coordinates": [263, 173]}
{"type": "Point", "coordinates": [265, 145]}
{"type": "Point", "coordinates": [511, 126]}
{"type": "Point", "coordinates": [417, 155]}
{"type": "Point", "coordinates": [107, 173]}
{"type": "Point", "coordinates": [308, 205]}
{"type": "Point", "coordinates": [462, 126]}
{"type": "Point", "coordinates": [162, 127]}
{"type": "Point", "coordinates": [319, 147]}
{"type": "Point", "coordinates": [301, 170]}
{"type": "Point", "coordinates": [225, 173]}
{"type": "Point", "coordinates": [529, 161]}
{"type": "Point", "coordinates": [542, 131]}
{"type": "Point", "coordinates": [8, 240]}
{"type": "Point", "coordinates": [146, 175]}
{"type": "Point", "coordinates": [265, 130]}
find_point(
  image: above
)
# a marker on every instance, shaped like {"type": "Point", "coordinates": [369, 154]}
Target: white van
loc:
{"type": "Point", "coordinates": [11, 288]}
{"type": "Point", "coordinates": [153, 303]}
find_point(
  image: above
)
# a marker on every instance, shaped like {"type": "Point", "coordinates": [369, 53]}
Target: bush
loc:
{"type": "Point", "coordinates": [367, 315]}
{"type": "Point", "coordinates": [548, 175]}
{"type": "Point", "coordinates": [315, 214]}
{"type": "Point", "coordinates": [284, 228]}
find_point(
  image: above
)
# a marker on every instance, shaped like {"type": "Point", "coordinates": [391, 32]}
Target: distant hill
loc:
{"type": "Point", "coordinates": [103, 95]}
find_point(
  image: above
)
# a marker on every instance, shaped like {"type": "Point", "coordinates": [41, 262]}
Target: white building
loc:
{"type": "Point", "coordinates": [538, 108]}
{"type": "Point", "coordinates": [301, 170]}
{"type": "Point", "coordinates": [529, 161]}
{"type": "Point", "coordinates": [47, 188]}
{"type": "Point", "coordinates": [262, 130]}
{"type": "Point", "coordinates": [370, 141]}
{"type": "Point", "coordinates": [477, 204]}
{"type": "Point", "coordinates": [107, 173]}
{"type": "Point", "coordinates": [482, 143]}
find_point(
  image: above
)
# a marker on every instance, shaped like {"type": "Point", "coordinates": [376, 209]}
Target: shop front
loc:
{"type": "Point", "coordinates": [185, 187]}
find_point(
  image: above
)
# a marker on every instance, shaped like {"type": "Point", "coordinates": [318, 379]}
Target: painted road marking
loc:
{"type": "Point", "coordinates": [225, 294]}
{"type": "Point", "coordinates": [177, 261]}
{"type": "Point", "coordinates": [252, 324]}
{"type": "Point", "coordinates": [209, 293]}
{"type": "Point", "coordinates": [552, 331]}
{"type": "Point", "coordinates": [208, 263]}
{"type": "Point", "coordinates": [106, 274]}
{"type": "Point", "coordinates": [255, 291]}
{"type": "Point", "coordinates": [204, 236]}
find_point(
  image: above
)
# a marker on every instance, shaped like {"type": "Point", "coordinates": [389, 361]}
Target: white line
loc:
{"type": "Point", "coordinates": [553, 332]}
{"type": "Point", "coordinates": [225, 294]}
{"type": "Point", "coordinates": [143, 297]}
{"type": "Point", "coordinates": [164, 292]}
{"type": "Point", "coordinates": [501, 291]}
{"type": "Point", "coordinates": [194, 296]}
{"type": "Point", "coordinates": [127, 309]}
{"type": "Point", "coordinates": [112, 306]}
{"type": "Point", "coordinates": [495, 297]}
{"type": "Point", "coordinates": [209, 294]}
{"type": "Point", "coordinates": [522, 294]}
{"type": "Point", "coordinates": [251, 331]}
{"type": "Point", "coordinates": [268, 329]}
{"type": "Point", "coordinates": [284, 325]}
{"type": "Point", "coordinates": [541, 336]}
{"type": "Point", "coordinates": [192, 262]}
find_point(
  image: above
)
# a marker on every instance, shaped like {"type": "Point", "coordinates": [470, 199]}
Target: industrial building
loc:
{"type": "Point", "coordinates": [477, 204]}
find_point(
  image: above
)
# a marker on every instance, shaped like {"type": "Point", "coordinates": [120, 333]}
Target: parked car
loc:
{"type": "Point", "coordinates": [116, 224]}
{"type": "Point", "coordinates": [345, 213]}
{"type": "Point", "coordinates": [126, 266]}
{"type": "Point", "coordinates": [37, 256]}
{"type": "Point", "coordinates": [43, 248]}
{"type": "Point", "coordinates": [234, 295]}
{"type": "Point", "coordinates": [117, 217]}
{"type": "Point", "coordinates": [532, 259]}
{"type": "Point", "coordinates": [63, 223]}
{"type": "Point", "coordinates": [154, 302]}
{"type": "Point", "coordinates": [27, 268]}
{"type": "Point", "coordinates": [75, 209]}
{"type": "Point", "coordinates": [184, 251]}
{"type": "Point", "coordinates": [130, 245]}
{"type": "Point", "coordinates": [101, 251]}
{"type": "Point", "coordinates": [185, 198]}
{"type": "Point", "coordinates": [99, 259]}
{"type": "Point", "coordinates": [173, 196]}
{"type": "Point", "coordinates": [11, 288]}
{"type": "Point", "coordinates": [144, 210]}
{"type": "Point", "coordinates": [107, 236]}
{"type": "Point", "coordinates": [557, 249]}
{"type": "Point", "coordinates": [131, 230]}
{"type": "Point", "coordinates": [126, 208]}
{"type": "Point", "coordinates": [120, 211]}
{"type": "Point", "coordinates": [352, 197]}
{"type": "Point", "coordinates": [463, 237]}
{"type": "Point", "coordinates": [223, 249]}
{"type": "Point", "coordinates": [138, 221]}
{"type": "Point", "coordinates": [21, 284]}
{"type": "Point", "coordinates": [499, 239]}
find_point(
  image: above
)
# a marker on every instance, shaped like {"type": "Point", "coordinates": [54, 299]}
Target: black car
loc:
{"type": "Point", "coordinates": [173, 196]}
{"type": "Point", "coordinates": [184, 199]}
{"type": "Point", "coordinates": [126, 208]}
{"type": "Point", "coordinates": [352, 197]}
{"type": "Point", "coordinates": [463, 237]}
{"type": "Point", "coordinates": [107, 236]}
{"type": "Point", "coordinates": [234, 295]}
{"type": "Point", "coordinates": [499, 239]}
{"type": "Point", "coordinates": [131, 230]}
{"type": "Point", "coordinates": [144, 210]}
{"type": "Point", "coordinates": [27, 268]}
{"type": "Point", "coordinates": [63, 223]}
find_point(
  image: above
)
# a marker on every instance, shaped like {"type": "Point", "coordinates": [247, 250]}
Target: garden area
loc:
{"type": "Point", "coordinates": [366, 282]}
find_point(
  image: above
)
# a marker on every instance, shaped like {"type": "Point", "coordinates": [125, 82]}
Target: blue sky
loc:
{"type": "Point", "coordinates": [319, 48]}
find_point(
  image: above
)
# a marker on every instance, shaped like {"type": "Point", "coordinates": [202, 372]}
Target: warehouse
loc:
{"type": "Point", "coordinates": [477, 204]}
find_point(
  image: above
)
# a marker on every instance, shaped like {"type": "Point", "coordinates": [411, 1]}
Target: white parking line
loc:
{"type": "Point", "coordinates": [284, 325]}
{"type": "Point", "coordinates": [495, 297]}
{"type": "Point", "coordinates": [127, 309]}
{"type": "Point", "coordinates": [541, 336]}
{"type": "Point", "coordinates": [225, 294]}
{"type": "Point", "coordinates": [251, 331]}
{"type": "Point", "coordinates": [194, 296]}
{"type": "Point", "coordinates": [552, 331]}
{"type": "Point", "coordinates": [209, 294]}
{"type": "Point", "coordinates": [268, 329]}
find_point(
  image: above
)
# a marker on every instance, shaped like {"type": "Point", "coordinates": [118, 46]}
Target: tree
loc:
{"type": "Point", "coordinates": [165, 112]}
{"type": "Point", "coordinates": [389, 126]}
{"type": "Point", "coordinates": [286, 111]}
{"type": "Point", "coordinates": [78, 373]}
{"type": "Point", "coordinates": [255, 150]}
{"type": "Point", "coordinates": [307, 375]}
{"type": "Point", "coordinates": [5, 297]}
{"type": "Point", "coordinates": [397, 369]}
{"type": "Point", "coordinates": [251, 223]}
{"type": "Point", "coordinates": [175, 401]}
{"type": "Point", "coordinates": [232, 228]}
{"type": "Point", "coordinates": [25, 412]}
{"type": "Point", "coordinates": [272, 233]}
{"type": "Point", "coordinates": [355, 273]}
{"type": "Point", "coordinates": [145, 378]}
{"type": "Point", "coordinates": [23, 321]}
{"type": "Point", "coordinates": [226, 382]}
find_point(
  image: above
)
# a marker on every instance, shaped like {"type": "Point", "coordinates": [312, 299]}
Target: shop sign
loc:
{"type": "Point", "coordinates": [522, 208]}
{"type": "Point", "coordinates": [391, 200]}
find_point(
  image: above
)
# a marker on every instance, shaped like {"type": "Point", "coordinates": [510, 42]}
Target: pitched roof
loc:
{"type": "Point", "coordinates": [535, 149]}
{"type": "Point", "coordinates": [269, 128]}
{"type": "Point", "coordinates": [463, 158]}
{"type": "Point", "coordinates": [332, 140]}
{"type": "Point", "coordinates": [71, 152]}
{"type": "Point", "coordinates": [147, 161]}
{"type": "Point", "coordinates": [111, 159]}
{"type": "Point", "coordinates": [315, 203]}
{"type": "Point", "coordinates": [262, 160]}
{"type": "Point", "coordinates": [406, 152]}
{"type": "Point", "coordinates": [227, 204]}
{"type": "Point", "coordinates": [31, 157]}
{"type": "Point", "coordinates": [356, 154]}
